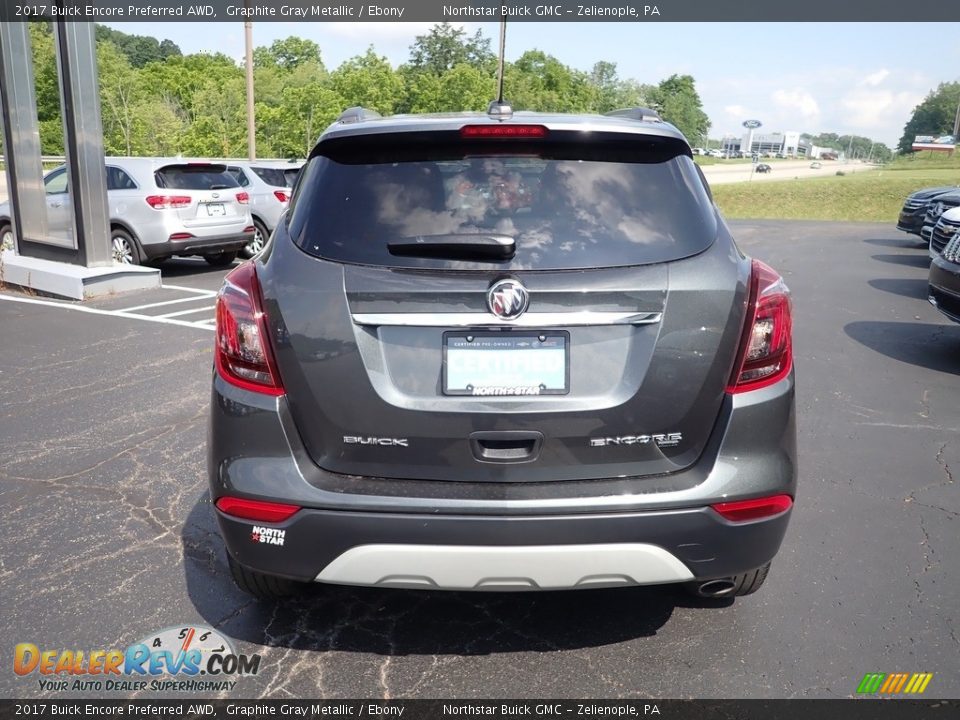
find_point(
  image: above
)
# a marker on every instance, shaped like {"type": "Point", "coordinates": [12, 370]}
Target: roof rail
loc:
{"type": "Point", "coordinates": [357, 114]}
{"type": "Point", "coordinates": [637, 113]}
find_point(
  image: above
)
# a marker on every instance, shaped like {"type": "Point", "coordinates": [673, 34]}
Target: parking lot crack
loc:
{"type": "Point", "coordinates": [943, 463]}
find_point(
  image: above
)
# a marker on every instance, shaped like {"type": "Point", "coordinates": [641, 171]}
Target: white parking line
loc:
{"type": "Point", "coordinates": [114, 313]}
{"type": "Point", "coordinates": [207, 293]}
{"type": "Point", "coordinates": [187, 312]}
{"type": "Point", "coordinates": [164, 302]}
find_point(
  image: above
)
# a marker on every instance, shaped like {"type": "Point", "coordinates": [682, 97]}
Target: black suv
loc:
{"type": "Point", "coordinates": [915, 208]}
{"type": "Point", "coordinates": [502, 351]}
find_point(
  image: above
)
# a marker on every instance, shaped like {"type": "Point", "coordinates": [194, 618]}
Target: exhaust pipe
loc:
{"type": "Point", "coordinates": [716, 588]}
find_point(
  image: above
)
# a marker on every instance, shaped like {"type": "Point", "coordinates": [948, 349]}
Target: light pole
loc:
{"type": "Point", "coordinates": [956, 125]}
{"type": "Point", "coordinates": [251, 124]}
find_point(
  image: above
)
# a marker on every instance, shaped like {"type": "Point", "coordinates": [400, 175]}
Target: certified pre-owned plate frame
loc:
{"type": "Point", "coordinates": [513, 335]}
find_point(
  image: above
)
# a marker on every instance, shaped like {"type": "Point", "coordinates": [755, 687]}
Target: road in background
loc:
{"type": "Point", "coordinates": [734, 172]}
{"type": "Point", "coordinates": [109, 535]}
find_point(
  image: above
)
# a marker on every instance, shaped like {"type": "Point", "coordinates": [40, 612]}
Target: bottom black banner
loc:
{"type": "Point", "coordinates": [852, 709]}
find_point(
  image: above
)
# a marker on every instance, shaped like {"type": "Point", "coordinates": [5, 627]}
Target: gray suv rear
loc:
{"type": "Point", "coordinates": [502, 352]}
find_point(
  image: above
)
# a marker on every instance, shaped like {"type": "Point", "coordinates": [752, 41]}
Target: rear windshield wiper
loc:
{"type": "Point", "coordinates": [481, 246]}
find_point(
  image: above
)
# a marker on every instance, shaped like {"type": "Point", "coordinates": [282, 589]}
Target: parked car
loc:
{"type": "Point", "coordinates": [944, 231]}
{"type": "Point", "coordinates": [935, 208]}
{"type": "Point", "coordinates": [944, 291]}
{"type": "Point", "coordinates": [497, 352]}
{"type": "Point", "coordinates": [159, 207]}
{"type": "Point", "coordinates": [915, 208]}
{"type": "Point", "coordinates": [763, 168]}
{"type": "Point", "coordinates": [268, 183]}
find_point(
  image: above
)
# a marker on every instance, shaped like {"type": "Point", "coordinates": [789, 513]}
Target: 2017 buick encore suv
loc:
{"type": "Point", "coordinates": [503, 351]}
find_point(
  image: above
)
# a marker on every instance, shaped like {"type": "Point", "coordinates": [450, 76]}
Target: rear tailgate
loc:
{"type": "Point", "coordinates": [387, 358]}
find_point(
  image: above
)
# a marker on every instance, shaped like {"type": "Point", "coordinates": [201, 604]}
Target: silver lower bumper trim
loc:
{"type": "Point", "coordinates": [505, 568]}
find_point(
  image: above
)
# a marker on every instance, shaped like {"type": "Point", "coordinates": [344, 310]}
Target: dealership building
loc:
{"type": "Point", "coordinates": [787, 143]}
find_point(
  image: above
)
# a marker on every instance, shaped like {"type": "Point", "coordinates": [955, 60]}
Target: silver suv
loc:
{"type": "Point", "coordinates": [159, 207]}
{"type": "Point", "coordinates": [268, 183]}
{"type": "Point", "coordinates": [504, 351]}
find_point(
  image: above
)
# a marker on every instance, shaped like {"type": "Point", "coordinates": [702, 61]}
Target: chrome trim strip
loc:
{"type": "Point", "coordinates": [527, 320]}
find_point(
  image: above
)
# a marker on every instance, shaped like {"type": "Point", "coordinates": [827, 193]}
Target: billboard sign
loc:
{"type": "Point", "coordinates": [943, 143]}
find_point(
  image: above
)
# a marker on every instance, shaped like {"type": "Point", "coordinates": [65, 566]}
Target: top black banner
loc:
{"type": "Point", "coordinates": [733, 11]}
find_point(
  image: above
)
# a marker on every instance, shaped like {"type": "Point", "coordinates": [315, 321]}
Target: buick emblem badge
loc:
{"type": "Point", "coordinates": [508, 299]}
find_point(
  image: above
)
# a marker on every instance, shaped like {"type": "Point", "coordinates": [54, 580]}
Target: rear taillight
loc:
{"type": "Point", "coordinates": [162, 202]}
{"type": "Point", "coordinates": [766, 348]}
{"type": "Point", "coordinates": [242, 354]}
{"type": "Point", "coordinates": [270, 512]}
{"type": "Point", "coordinates": [503, 131]}
{"type": "Point", "coordinates": [281, 195]}
{"type": "Point", "coordinates": [243, 198]}
{"type": "Point", "coordinates": [755, 509]}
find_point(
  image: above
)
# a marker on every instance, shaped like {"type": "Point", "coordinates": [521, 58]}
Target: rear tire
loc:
{"type": "Point", "coordinates": [259, 240]}
{"type": "Point", "coordinates": [261, 585]}
{"type": "Point", "coordinates": [6, 237]}
{"type": "Point", "coordinates": [124, 248]}
{"type": "Point", "coordinates": [737, 586]}
{"type": "Point", "coordinates": [222, 259]}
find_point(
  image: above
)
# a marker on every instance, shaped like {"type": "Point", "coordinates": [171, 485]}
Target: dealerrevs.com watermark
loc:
{"type": "Point", "coordinates": [189, 658]}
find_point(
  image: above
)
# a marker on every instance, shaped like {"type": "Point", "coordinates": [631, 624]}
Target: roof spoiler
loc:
{"type": "Point", "coordinates": [641, 114]}
{"type": "Point", "coordinates": [357, 114]}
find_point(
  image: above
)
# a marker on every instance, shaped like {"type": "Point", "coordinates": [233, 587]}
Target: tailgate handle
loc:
{"type": "Point", "coordinates": [506, 446]}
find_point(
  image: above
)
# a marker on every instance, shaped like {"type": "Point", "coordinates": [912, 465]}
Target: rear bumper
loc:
{"type": "Point", "coordinates": [506, 553]}
{"type": "Point", "coordinates": [197, 245]}
{"type": "Point", "coordinates": [255, 452]}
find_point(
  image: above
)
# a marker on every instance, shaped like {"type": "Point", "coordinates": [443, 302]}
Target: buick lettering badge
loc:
{"type": "Point", "coordinates": [508, 299]}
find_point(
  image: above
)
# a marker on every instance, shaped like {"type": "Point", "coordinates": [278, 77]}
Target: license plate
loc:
{"type": "Point", "coordinates": [216, 209]}
{"type": "Point", "coordinates": [506, 364]}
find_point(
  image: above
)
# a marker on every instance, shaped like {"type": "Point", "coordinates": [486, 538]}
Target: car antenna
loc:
{"type": "Point", "coordinates": [503, 46]}
{"type": "Point", "coordinates": [498, 108]}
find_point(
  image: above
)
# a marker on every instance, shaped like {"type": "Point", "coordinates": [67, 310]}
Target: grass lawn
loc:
{"type": "Point", "coordinates": [873, 196]}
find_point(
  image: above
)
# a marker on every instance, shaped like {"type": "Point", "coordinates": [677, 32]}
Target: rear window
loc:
{"type": "Point", "coordinates": [272, 176]}
{"type": "Point", "coordinates": [195, 177]}
{"type": "Point", "coordinates": [566, 206]}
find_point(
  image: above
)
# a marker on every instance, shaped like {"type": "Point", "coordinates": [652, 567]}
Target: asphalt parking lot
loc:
{"type": "Point", "coordinates": [108, 534]}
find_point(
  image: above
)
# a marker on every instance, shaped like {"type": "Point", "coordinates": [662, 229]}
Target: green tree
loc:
{"type": "Point", "coordinates": [537, 81]}
{"type": "Point", "coordinates": [612, 93]}
{"type": "Point", "coordinates": [306, 111]}
{"type": "Point", "coordinates": [120, 91]}
{"type": "Point", "coordinates": [444, 47]}
{"type": "Point", "coordinates": [46, 88]}
{"type": "Point", "coordinates": [462, 88]}
{"type": "Point", "coordinates": [370, 81]}
{"type": "Point", "coordinates": [158, 127]}
{"type": "Point", "coordinates": [138, 49]}
{"type": "Point", "coordinates": [678, 103]}
{"type": "Point", "coordinates": [934, 116]}
{"type": "Point", "coordinates": [288, 54]}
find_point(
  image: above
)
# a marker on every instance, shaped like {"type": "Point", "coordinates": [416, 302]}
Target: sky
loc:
{"type": "Point", "coordinates": [848, 78]}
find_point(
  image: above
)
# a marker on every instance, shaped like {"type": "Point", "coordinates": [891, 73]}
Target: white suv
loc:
{"type": "Point", "coordinates": [269, 184]}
